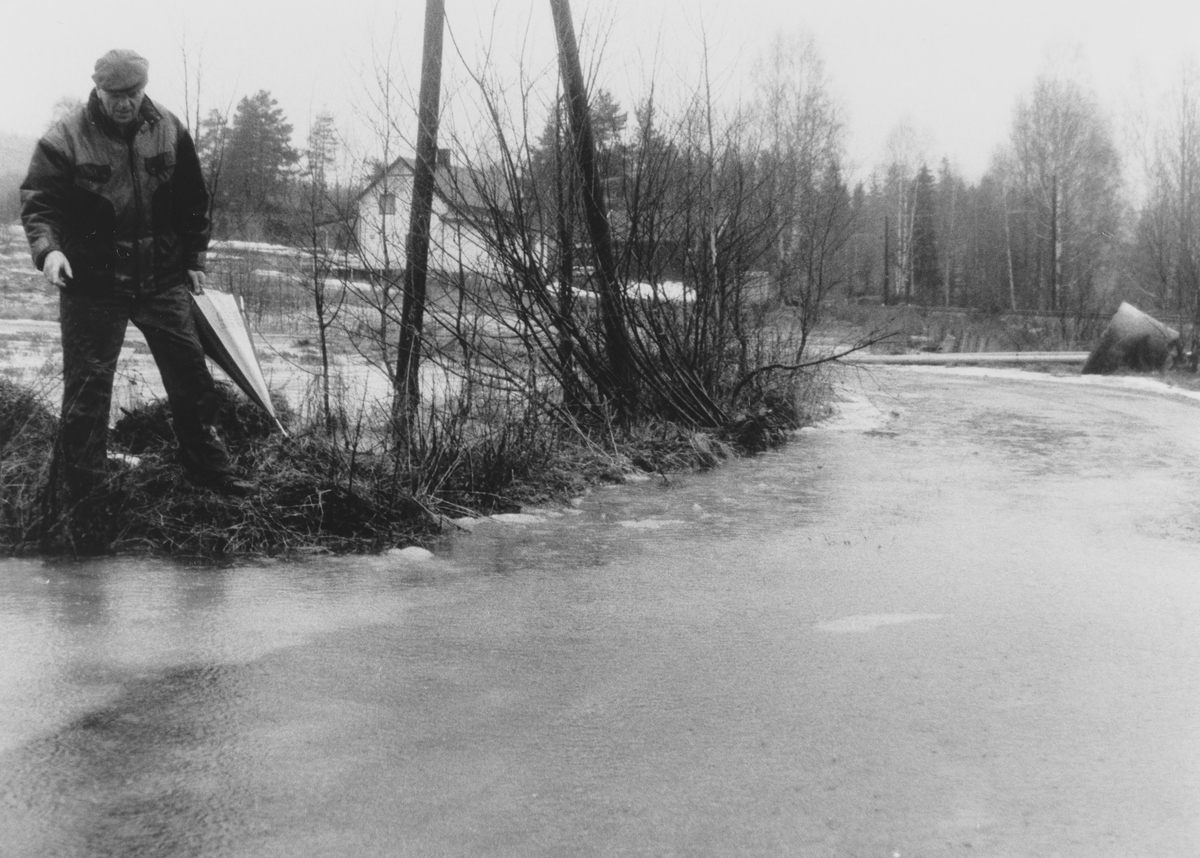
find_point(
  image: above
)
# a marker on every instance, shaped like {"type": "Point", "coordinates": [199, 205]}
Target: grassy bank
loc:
{"type": "Point", "coordinates": [495, 432]}
{"type": "Point", "coordinates": [349, 490]}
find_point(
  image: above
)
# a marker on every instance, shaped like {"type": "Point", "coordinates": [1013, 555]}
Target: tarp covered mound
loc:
{"type": "Point", "coordinates": [1132, 341]}
{"type": "Point", "coordinates": [226, 340]}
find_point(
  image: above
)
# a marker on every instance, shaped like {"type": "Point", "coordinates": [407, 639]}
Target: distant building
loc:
{"type": "Point", "coordinates": [376, 229]}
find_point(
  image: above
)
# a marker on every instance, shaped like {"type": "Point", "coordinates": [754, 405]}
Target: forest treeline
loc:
{"type": "Point", "coordinates": [1051, 225]}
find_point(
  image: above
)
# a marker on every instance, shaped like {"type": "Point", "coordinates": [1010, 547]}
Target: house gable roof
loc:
{"type": "Point", "coordinates": [455, 185]}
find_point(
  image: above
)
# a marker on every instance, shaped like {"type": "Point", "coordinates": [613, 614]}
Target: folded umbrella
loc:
{"type": "Point", "coordinates": [226, 340]}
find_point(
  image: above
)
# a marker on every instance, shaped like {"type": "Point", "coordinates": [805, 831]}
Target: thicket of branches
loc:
{"type": "Point", "coordinates": [729, 233]}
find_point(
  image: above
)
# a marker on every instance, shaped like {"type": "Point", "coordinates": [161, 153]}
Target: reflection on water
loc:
{"type": "Point", "coordinates": [870, 622]}
{"type": "Point", "coordinates": [132, 691]}
{"type": "Point", "coordinates": [154, 771]}
{"type": "Point", "coordinates": [136, 691]}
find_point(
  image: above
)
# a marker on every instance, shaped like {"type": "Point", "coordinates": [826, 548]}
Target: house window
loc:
{"type": "Point", "coordinates": [387, 204]}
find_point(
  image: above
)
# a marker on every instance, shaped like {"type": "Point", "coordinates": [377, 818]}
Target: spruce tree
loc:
{"type": "Point", "coordinates": [258, 162]}
{"type": "Point", "coordinates": [926, 272]}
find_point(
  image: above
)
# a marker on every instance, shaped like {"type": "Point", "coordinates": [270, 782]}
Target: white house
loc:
{"type": "Point", "coordinates": [381, 216]}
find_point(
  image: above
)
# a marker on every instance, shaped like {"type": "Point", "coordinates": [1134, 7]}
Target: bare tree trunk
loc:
{"type": "Point", "coordinates": [1184, 230]}
{"type": "Point", "coordinates": [327, 313]}
{"type": "Point", "coordinates": [887, 262]}
{"type": "Point", "coordinates": [407, 393]}
{"type": "Point", "coordinates": [619, 350]}
{"type": "Point", "coordinates": [1054, 256]}
{"type": "Point", "coordinates": [1012, 279]}
{"type": "Point", "coordinates": [194, 128]}
{"type": "Point", "coordinates": [907, 218]}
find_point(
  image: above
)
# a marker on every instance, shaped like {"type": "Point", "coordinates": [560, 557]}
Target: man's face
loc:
{"type": "Point", "coordinates": [122, 106]}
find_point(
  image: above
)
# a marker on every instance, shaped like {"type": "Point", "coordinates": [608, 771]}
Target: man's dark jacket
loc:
{"type": "Point", "coordinates": [129, 209]}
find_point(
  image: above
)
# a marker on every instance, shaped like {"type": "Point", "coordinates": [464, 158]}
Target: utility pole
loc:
{"type": "Point", "coordinates": [407, 393]}
{"type": "Point", "coordinates": [618, 348]}
{"type": "Point", "coordinates": [565, 227]}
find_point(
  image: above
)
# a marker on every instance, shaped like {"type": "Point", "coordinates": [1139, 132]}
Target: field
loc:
{"type": "Point", "coordinates": [280, 322]}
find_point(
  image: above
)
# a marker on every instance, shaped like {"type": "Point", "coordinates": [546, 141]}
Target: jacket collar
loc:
{"type": "Point", "coordinates": [148, 115]}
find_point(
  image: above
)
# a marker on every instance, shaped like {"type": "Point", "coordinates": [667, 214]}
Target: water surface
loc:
{"type": "Point", "coordinates": [962, 622]}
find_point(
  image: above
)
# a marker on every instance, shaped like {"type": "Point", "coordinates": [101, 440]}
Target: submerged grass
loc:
{"type": "Point", "coordinates": [342, 482]}
{"type": "Point", "coordinates": [346, 490]}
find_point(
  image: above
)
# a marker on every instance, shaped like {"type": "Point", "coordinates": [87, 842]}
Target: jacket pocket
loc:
{"type": "Point", "coordinates": [160, 166]}
{"type": "Point", "coordinates": [93, 177]}
{"type": "Point", "coordinates": [99, 173]}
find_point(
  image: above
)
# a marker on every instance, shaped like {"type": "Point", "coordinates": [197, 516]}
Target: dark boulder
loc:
{"type": "Point", "coordinates": [1132, 341]}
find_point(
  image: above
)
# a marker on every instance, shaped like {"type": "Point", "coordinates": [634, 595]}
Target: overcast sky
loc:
{"type": "Point", "coordinates": [951, 69]}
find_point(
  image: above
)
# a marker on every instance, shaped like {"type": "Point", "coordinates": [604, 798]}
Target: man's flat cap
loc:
{"type": "Point", "coordinates": [121, 69]}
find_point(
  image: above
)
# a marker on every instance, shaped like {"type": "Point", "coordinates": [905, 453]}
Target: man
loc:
{"type": "Point", "coordinates": [116, 213]}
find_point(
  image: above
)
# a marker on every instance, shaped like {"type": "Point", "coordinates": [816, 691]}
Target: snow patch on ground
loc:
{"type": "Point", "coordinates": [651, 523]}
{"type": "Point", "coordinates": [1145, 384]}
{"type": "Point", "coordinates": [542, 513]}
{"type": "Point", "coordinates": [854, 412]}
{"type": "Point", "coordinates": [255, 247]}
{"type": "Point", "coordinates": [411, 554]}
{"type": "Point", "coordinates": [364, 286]}
{"type": "Point", "coordinates": [672, 291]}
{"type": "Point", "coordinates": [516, 518]}
{"type": "Point", "coordinates": [272, 274]}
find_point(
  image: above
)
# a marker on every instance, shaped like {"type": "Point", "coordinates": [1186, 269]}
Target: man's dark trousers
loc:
{"type": "Point", "coordinates": [93, 331]}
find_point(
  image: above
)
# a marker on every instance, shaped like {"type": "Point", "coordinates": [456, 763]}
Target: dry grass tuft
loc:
{"type": "Point", "coordinates": [27, 430]}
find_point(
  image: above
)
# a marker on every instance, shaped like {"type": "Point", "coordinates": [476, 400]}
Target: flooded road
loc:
{"type": "Point", "coordinates": [960, 620]}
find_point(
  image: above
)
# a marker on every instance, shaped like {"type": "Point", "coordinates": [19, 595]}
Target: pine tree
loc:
{"type": "Point", "coordinates": [608, 126]}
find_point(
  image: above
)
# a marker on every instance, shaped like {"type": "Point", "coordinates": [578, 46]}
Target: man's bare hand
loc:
{"type": "Point", "coordinates": [57, 269]}
{"type": "Point", "coordinates": [196, 282]}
